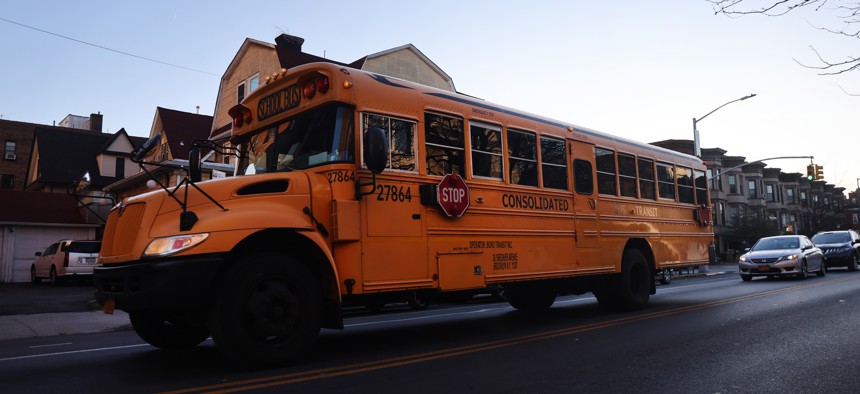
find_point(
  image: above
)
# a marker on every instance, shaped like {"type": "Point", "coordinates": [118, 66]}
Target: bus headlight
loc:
{"type": "Point", "coordinates": [169, 245]}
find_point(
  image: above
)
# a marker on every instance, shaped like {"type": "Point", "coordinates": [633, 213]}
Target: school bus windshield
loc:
{"type": "Point", "coordinates": [313, 138]}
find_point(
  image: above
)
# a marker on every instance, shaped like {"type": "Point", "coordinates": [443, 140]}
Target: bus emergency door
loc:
{"type": "Point", "coordinates": [587, 219]}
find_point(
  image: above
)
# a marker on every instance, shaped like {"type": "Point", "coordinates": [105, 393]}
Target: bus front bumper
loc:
{"type": "Point", "coordinates": [159, 284]}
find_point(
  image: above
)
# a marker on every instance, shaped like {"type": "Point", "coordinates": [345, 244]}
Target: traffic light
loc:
{"type": "Point", "coordinates": [819, 172]}
{"type": "Point", "coordinates": [810, 172]}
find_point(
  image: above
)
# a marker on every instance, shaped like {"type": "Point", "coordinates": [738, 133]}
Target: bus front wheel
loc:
{"type": "Point", "coordinates": [631, 289]}
{"type": "Point", "coordinates": [268, 311]}
{"type": "Point", "coordinates": [168, 330]}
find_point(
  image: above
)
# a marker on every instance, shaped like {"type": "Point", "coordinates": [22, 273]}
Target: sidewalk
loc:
{"type": "Point", "coordinates": [83, 317]}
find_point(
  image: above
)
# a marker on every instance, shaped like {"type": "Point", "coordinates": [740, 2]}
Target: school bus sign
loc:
{"type": "Point", "coordinates": [453, 195]}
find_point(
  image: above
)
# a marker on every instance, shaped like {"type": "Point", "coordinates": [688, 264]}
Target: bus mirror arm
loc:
{"type": "Point", "coordinates": [358, 185]}
{"type": "Point", "coordinates": [375, 157]}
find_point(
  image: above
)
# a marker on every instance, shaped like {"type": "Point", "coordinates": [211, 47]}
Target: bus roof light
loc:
{"type": "Point", "coordinates": [322, 84]}
{"type": "Point", "coordinates": [309, 89]}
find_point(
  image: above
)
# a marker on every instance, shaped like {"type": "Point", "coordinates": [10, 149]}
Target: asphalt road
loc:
{"type": "Point", "coordinates": [715, 334]}
{"type": "Point", "coordinates": [28, 298]}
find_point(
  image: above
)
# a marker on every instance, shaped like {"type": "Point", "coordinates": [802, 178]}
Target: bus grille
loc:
{"type": "Point", "coordinates": [121, 231]}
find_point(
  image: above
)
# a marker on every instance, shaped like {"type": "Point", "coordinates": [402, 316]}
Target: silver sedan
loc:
{"type": "Point", "coordinates": [784, 255]}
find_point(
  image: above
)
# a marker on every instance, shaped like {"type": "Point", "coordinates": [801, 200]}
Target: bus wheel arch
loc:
{"type": "Point", "coordinates": [631, 289]}
{"type": "Point", "coordinates": [302, 250]}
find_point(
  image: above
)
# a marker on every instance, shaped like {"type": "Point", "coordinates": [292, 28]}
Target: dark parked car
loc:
{"type": "Point", "coordinates": [784, 255]}
{"type": "Point", "coordinates": [840, 248]}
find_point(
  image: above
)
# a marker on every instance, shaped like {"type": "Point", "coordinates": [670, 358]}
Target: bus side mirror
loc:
{"type": "Point", "coordinates": [147, 146]}
{"type": "Point", "coordinates": [375, 149]}
{"type": "Point", "coordinates": [194, 171]}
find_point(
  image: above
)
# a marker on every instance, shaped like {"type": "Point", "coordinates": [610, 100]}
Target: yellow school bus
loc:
{"type": "Point", "coordinates": [351, 186]}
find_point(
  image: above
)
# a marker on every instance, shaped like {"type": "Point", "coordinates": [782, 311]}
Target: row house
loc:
{"type": "Point", "coordinates": [750, 200]}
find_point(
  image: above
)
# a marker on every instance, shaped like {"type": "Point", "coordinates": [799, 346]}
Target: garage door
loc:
{"type": "Point", "coordinates": [29, 240]}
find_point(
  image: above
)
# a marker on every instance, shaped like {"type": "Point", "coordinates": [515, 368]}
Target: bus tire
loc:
{"type": "Point", "coordinates": [268, 310]}
{"type": "Point", "coordinates": [530, 298]}
{"type": "Point", "coordinates": [630, 290]}
{"type": "Point", "coordinates": [169, 331]}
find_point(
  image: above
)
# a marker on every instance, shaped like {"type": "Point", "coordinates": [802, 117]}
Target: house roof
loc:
{"type": "Point", "coordinates": [182, 128]}
{"type": "Point", "coordinates": [39, 207]}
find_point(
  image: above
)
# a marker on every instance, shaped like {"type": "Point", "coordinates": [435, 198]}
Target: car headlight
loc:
{"type": "Point", "coordinates": [792, 256]}
{"type": "Point", "coordinates": [846, 248]}
{"type": "Point", "coordinates": [743, 258]}
{"type": "Point", "coordinates": [166, 246]}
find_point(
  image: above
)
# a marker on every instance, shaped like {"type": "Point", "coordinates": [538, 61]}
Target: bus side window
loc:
{"type": "Point", "coordinates": [401, 138]}
{"type": "Point", "coordinates": [553, 163]}
{"type": "Point", "coordinates": [522, 157]}
{"type": "Point", "coordinates": [605, 160]}
{"type": "Point", "coordinates": [486, 143]}
{"type": "Point", "coordinates": [701, 188]}
{"type": "Point", "coordinates": [583, 178]}
{"type": "Point", "coordinates": [666, 181]}
{"type": "Point", "coordinates": [627, 175]}
{"type": "Point", "coordinates": [685, 185]}
{"type": "Point", "coordinates": [646, 179]}
{"type": "Point", "coordinates": [444, 144]}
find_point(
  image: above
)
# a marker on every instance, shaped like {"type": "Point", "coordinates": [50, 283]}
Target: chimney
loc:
{"type": "Point", "coordinates": [96, 122]}
{"type": "Point", "coordinates": [290, 42]}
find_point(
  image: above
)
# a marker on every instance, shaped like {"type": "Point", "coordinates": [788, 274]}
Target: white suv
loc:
{"type": "Point", "coordinates": [64, 259]}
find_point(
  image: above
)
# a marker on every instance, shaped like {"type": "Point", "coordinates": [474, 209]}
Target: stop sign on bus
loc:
{"type": "Point", "coordinates": [453, 195]}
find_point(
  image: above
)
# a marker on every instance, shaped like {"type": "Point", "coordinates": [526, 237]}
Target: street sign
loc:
{"type": "Point", "coordinates": [453, 195]}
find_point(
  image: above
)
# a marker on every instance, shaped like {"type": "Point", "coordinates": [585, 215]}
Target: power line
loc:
{"type": "Point", "coordinates": [106, 48]}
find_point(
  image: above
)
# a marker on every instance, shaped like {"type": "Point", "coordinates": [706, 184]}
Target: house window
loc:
{"type": "Point", "coordinates": [240, 92]}
{"type": "Point", "coordinates": [444, 145]}
{"type": "Point", "coordinates": [7, 181]}
{"type": "Point", "coordinates": [120, 168]}
{"type": "Point", "coordinates": [554, 163]}
{"type": "Point", "coordinates": [771, 194]}
{"type": "Point", "coordinates": [733, 184]}
{"type": "Point", "coordinates": [789, 195]}
{"type": "Point", "coordinates": [486, 143]}
{"type": "Point", "coordinates": [752, 189]}
{"type": "Point", "coordinates": [9, 152]}
{"type": "Point", "coordinates": [522, 158]}
{"type": "Point", "coordinates": [401, 140]}
{"type": "Point", "coordinates": [253, 83]}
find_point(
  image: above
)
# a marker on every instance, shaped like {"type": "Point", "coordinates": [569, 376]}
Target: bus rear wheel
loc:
{"type": "Point", "coordinates": [631, 289]}
{"type": "Point", "coordinates": [167, 330]}
{"type": "Point", "coordinates": [268, 311]}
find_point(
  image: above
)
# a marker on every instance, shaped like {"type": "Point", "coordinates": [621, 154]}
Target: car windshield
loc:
{"type": "Point", "coordinates": [776, 243]}
{"type": "Point", "coordinates": [321, 136]}
{"type": "Point", "coordinates": [831, 238]}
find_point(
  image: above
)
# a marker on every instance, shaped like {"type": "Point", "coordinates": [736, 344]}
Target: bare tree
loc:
{"type": "Point", "coordinates": [846, 12]}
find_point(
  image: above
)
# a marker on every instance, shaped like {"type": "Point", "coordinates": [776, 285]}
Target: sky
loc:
{"type": "Point", "coordinates": [638, 69]}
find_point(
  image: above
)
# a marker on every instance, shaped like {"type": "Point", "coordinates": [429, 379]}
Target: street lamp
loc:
{"type": "Point", "coordinates": [696, 146]}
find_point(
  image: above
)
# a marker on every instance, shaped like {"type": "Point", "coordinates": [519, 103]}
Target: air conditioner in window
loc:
{"type": "Point", "coordinates": [10, 156]}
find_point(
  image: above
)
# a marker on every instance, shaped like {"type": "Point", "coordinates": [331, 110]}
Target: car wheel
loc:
{"type": "Point", "coordinates": [746, 278]}
{"type": "Point", "coordinates": [666, 276]}
{"type": "Point", "coordinates": [803, 271]}
{"type": "Point", "coordinates": [33, 278]}
{"type": "Point", "coordinates": [269, 309]}
{"type": "Point", "coordinates": [52, 276]}
{"type": "Point", "coordinates": [822, 270]}
{"type": "Point", "coordinates": [853, 265]}
{"type": "Point", "coordinates": [167, 330]}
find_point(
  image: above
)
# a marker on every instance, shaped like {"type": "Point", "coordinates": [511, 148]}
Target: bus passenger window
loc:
{"type": "Point", "coordinates": [444, 144]}
{"type": "Point", "coordinates": [401, 137]}
{"type": "Point", "coordinates": [646, 179]}
{"type": "Point", "coordinates": [583, 178]}
{"type": "Point", "coordinates": [605, 160]}
{"type": "Point", "coordinates": [553, 163]}
{"type": "Point", "coordinates": [685, 185]}
{"type": "Point", "coordinates": [522, 157]}
{"type": "Point", "coordinates": [486, 143]}
{"type": "Point", "coordinates": [627, 175]}
{"type": "Point", "coordinates": [701, 188]}
{"type": "Point", "coordinates": [666, 181]}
